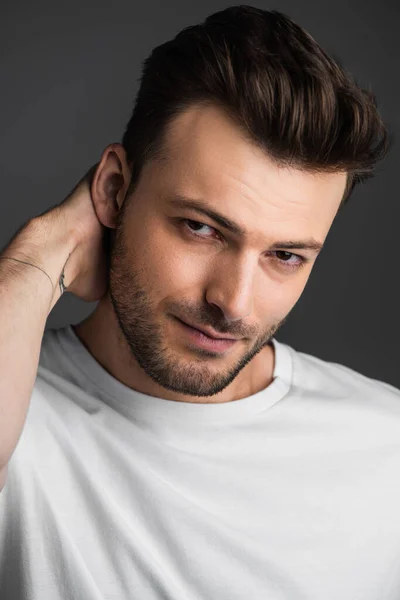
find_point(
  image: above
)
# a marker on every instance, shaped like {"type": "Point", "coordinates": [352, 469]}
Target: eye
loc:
{"type": "Point", "coordinates": [298, 262]}
{"type": "Point", "coordinates": [196, 225]}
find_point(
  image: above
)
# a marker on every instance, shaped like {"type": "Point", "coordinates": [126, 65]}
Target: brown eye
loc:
{"type": "Point", "coordinates": [287, 254]}
{"type": "Point", "coordinates": [195, 226]}
{"type": "Point", "coordinates": [300, 260]}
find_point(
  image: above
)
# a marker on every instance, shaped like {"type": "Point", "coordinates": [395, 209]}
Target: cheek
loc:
{"type": "Point", "coordinates": [276, 299]}
{"type": "Point", "coordinates": [177, 259]}
{"type": "Point", "coordinates": [294, 292]}
{"type": "Point", "coordinates": [174, 274]}
{"type": "Point", "coordinates": [169, 268]}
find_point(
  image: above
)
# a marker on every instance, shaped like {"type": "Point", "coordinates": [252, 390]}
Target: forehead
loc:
{"type": "Point", "coordinates": [208, 157]}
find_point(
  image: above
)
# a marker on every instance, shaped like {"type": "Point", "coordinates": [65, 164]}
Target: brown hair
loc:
{"type": "Point", "coordinates": [279, 86]}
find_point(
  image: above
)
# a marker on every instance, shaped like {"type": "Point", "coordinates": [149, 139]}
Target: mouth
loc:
{"type": "Point", "coordinates": [200, 339]}
{"type": "Point", "coordinates": [209, 332]}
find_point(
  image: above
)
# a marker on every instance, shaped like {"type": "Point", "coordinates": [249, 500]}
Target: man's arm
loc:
{"type": "Point", "coordinates": [68, 237]}
{"type": "Point", "coordinates": [26, 299]}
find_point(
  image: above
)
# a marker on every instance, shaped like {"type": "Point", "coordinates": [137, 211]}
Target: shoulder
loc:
{"type": "Point", "coordinates": [316, 376]}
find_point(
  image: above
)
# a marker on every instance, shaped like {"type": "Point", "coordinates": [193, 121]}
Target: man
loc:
{"type": "Point", "coordinates": [169, 446]}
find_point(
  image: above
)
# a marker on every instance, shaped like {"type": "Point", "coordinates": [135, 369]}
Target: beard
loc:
{"type": "Point", "coordinates": [130, 294]}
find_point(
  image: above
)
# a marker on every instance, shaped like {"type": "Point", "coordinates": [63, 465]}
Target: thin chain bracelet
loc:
{"type": "Point", "coordinates": [61, 280]}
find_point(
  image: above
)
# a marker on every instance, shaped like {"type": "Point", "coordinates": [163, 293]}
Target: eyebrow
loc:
{"type": "Point", "coordinates": [202, 207]}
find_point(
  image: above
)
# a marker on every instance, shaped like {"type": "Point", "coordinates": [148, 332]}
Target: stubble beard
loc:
{"type": "Point", "coordinates": [137, 320]}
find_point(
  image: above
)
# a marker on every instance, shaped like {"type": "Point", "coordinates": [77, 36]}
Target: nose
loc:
{"type": "Point", "coordinates": [231, 288]}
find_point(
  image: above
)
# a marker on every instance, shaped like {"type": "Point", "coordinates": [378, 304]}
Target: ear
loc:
{"type": "Point", "coordinates": [110, 184]}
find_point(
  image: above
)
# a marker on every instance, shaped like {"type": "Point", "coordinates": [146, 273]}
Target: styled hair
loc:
{"type": "Point", "coordinates": [277, 84]}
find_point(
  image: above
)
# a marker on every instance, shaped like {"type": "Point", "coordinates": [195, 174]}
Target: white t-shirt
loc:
{"type": "Point", "coordinates": [290, 494]}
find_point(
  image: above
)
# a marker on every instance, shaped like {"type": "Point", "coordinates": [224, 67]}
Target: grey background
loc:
{"type": "Point", "coordinates": [68, 76]}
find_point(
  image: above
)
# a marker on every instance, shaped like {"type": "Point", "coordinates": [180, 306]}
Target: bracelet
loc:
{"type": "Point", "coordinates": [61, 280]}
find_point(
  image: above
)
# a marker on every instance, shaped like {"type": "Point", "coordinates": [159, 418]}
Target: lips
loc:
{"type": "Point", "coordinates": [195, 339]}
{"type": "Point", "coordinates": [210, 333]}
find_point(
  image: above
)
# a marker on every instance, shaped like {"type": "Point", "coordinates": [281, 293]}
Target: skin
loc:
{"type": "Point", "coordinates": [160, 270]}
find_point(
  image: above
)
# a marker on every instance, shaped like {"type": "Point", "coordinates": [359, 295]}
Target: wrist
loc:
{"type": "Point", "coordinates": [48, 243]}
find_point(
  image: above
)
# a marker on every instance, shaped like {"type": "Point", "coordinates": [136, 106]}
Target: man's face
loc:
{"type": "Point", "coordinates": [172, 264]}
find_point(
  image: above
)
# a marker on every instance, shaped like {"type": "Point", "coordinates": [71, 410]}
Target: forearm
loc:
{"type": "Point", "coordinates": [27, 296]}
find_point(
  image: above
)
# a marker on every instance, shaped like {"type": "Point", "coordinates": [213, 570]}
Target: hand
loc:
{"type": "Point", "coordinates": [86, 269]}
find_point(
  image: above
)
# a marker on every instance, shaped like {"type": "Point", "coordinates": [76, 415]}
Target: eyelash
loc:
{"type": "Point", "coordinates": [285, 264]}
